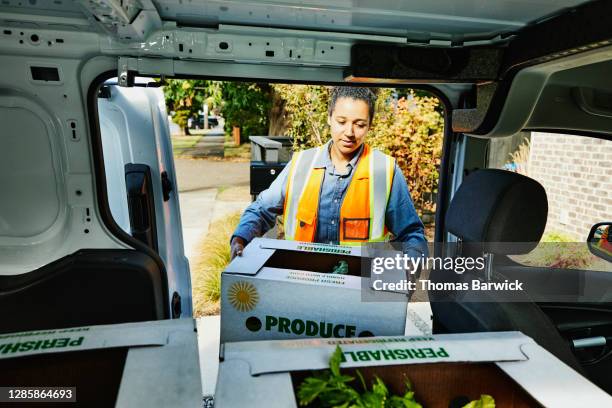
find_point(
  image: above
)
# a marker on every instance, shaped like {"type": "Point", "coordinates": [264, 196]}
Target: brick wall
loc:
{"type": "Point", "coordinates": [576, 172]}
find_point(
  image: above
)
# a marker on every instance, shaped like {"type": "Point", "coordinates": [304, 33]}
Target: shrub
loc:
{"type": "Point", "coordinates": [411, 129]}
{"type": "Point", "coordinates": [306, 110]}
{"type": "Point", "coordinates": [554, 236]}
{"type": "Point", "coordinates": [213, 258]}
{"type": "Point", "coordinates": [519, 159]}
{"type": "Point", "coordinates": [558, 250]}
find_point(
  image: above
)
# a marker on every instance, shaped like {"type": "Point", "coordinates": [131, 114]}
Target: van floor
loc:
{"type": "Point", "coordinates": [418, 323]}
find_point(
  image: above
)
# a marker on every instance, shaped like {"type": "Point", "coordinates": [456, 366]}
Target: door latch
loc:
{"type": "Point", "coordinates": [167, 186]}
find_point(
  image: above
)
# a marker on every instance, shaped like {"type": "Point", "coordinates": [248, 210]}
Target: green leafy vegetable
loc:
{"type": "Point", "coordinates": [331, 389]}
{"type": "Point", "coordinates": [485, 401]}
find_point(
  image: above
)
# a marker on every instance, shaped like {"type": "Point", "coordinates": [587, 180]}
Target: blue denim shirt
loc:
{"type": "Point", "coordinates": [401, 218]}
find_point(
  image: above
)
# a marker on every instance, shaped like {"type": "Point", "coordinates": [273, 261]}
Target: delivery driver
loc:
{"type": "Point", "coordinates": [343, 192]}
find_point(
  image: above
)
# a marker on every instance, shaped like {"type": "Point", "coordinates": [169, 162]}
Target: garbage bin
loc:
{"type": "Point", "coordinates": [269, 155]}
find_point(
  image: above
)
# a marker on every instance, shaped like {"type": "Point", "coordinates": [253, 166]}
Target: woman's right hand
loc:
{"type": "Point", "coordinates": [236, 247]}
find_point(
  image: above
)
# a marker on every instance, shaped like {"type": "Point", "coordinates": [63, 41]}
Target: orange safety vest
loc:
{"type": "Point", "coordinates": [604, 244]}
{"type": "Point", "coordinates": [363, 209]}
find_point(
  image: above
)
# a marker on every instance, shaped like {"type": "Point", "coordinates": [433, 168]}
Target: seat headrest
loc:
{"type": "Point", "coordinates": [497, 206]}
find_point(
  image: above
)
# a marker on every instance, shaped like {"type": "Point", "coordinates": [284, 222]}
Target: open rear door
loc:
{"type": "Point", "coordinates": [140, 178]}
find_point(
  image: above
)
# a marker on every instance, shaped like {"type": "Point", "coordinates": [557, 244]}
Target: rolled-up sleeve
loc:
{"type": "Point", "coordinates": [260, 216]}
{"type": "Point", "coordinates": [402, 219]}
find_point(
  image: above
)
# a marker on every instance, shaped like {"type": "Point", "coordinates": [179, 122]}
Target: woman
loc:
{"type": "Point", "coordinates": [343, 192]}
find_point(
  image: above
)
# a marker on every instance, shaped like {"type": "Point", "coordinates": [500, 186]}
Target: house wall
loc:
{"type": "Point", "coordinates": [576, 172]}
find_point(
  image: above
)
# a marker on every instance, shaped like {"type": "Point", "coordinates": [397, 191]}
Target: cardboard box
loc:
{"type": "Point", "coordinates": [509, 366]}
{"type": "Point", "coordinates": [147, 364]}
{"type": "Point", "coordinates": [284, 289]}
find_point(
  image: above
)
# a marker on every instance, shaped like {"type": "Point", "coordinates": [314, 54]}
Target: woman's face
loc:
{"type": "Point", "coordinates": [349, 123]}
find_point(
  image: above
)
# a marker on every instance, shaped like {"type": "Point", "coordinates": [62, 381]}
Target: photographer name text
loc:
{"type": "Point", "coordinates": [425, 284]}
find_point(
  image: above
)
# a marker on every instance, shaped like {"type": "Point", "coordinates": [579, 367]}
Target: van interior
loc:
{"type": "Point", "coordinates": [70, 256]}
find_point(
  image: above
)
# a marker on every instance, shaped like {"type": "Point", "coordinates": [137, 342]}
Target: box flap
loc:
{"type": "Point", "coordinates": [309, 247]}
{"type": "Point", "coordinates": [313, 354]}
{"type": "Point", "coordinates": [90, 337]}
{"type": "Point", "coordinates": [160, 377]}
{"type": "Point", "coordinates": [259, 251]}
{"type": "Point", "coordinates": [553, 383]}
{"type": "Point", "coordinates": [253, 257]}
{"type": "Point", "coordinates": [236, 388]}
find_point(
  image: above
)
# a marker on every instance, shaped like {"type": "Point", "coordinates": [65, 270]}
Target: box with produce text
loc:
{"type": "Point", "coordinates": [499, 369]}
{"type": "Point", "coordinates": [143, 364]}
{"type": "Point", "coordinates": [285, 289]}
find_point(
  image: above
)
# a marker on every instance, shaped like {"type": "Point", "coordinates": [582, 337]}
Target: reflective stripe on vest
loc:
{"type": "Point", "coordinates": [362, 214]}
{"type": "Point", "coordinates": [299, 173]}
{"type": "Point", "coordinates": [381, 176]}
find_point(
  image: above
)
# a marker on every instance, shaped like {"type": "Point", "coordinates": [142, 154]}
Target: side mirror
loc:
{"type": "Point", "coordinates": [600, 240]}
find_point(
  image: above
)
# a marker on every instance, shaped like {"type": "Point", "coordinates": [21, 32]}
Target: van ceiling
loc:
{"type": "Point", "coordinates": [424, 20]}
{"type": "Point", "coordinates": [155, 30]}
{"type": "Point", "coordinates": [415, 20]}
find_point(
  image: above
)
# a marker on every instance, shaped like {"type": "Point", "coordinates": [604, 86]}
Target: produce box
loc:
{"type": "Point", "coordinates": [443, 370]}
{"type": "Point", "coordinates": [285, 289]}
{"type": "Point", "coordinates": [147, 364]}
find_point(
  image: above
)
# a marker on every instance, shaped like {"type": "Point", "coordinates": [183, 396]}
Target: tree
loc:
{"type": "Point", "coordinates": [411, 130]}
{"type": "Point", "coordinates": [278, 118]}
{"type": "Point", "coordinates": [242, 104]}
{"type": "Point", "coordinates": [245, 105]}
{"type": "Point", "coordinates": [306, 113]}
{"type": "Point", "coordinates": [185, 98]}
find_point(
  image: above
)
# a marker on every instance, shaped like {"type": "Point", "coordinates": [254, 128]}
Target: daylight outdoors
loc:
{"type": "Point", "coordinates": [220, 128]}
{"type": "Point", "coordinates": [373, 204]}
{"type": "Point", "coordinates": [212, 123]}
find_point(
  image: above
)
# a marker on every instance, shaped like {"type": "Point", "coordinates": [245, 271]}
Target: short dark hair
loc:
{"type": "Point", "coordinates": [352, 92]}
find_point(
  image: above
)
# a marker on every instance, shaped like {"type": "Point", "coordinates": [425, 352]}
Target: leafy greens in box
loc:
{"type": "Point", "coordinates": [331, 388]}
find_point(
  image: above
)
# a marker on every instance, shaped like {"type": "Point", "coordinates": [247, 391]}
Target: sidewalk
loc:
{"type": "Point", "coordinates": [209, 145]}
{"type": "Point", "coordinates": [209, 189]}
{"type": "Point", "coordinates": [201, 207]}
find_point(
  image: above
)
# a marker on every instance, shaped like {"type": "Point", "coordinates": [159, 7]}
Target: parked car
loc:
{"type": "Point", "coordinates": [198, 123]}
{"type": "Point", "coordinates": [89, 217]}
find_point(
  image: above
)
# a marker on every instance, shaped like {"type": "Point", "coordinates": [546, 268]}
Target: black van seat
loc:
{"type": "Point", "coordinates": [490, 209]}
{"type": "Point", "coordinates": [89, 287]}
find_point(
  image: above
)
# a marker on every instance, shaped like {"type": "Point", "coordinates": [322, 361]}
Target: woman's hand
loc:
{"type": "Point", "coordinates": [236, 247]}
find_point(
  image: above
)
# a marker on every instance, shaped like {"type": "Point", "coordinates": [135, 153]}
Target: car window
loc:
{"type": "Point", "coordinates": [575, 172]}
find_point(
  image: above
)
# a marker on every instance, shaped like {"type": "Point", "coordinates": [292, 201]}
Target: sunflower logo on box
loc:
{"type": "Point", "coordinates": [243, 296]}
